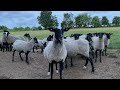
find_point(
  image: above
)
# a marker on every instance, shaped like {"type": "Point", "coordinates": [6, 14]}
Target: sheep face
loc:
{"type": "Point", "coordinates": [100, 35]}
{"type": "Point", "coordinates": [27, 35]}
{"type": "Point", "coordinates": [108, 35]}
{"type": "Point", "coordinates": [35, 40]}
{"type": "Point", "coordinates": [58, 34]}
{"type": "Point", "coordinates": [49, 38]}
{"type": "Point", "coordinates": [6, 33]}
{"type": "Point", "coordinates": [76, 36]}
{"type": "Point", "coordinates": [90, 34]}
{"type": "Point", "coordinates": [89, 39]}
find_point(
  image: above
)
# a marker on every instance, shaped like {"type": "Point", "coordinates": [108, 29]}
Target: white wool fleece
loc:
{"type": "Point", "coordinates": [20, 45]}
{"type": "Point", "coordinates": [55, 52]}
{"type": "Point", "coordinates": [106, 40]}
{"type": "Point", "coordinates": [97, 43]}
{"type": "Point", "coordinates": [80, 46]}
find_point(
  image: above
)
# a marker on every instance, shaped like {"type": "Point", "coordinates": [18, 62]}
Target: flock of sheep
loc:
{"type": "Point", "coordinates": [56, 48]}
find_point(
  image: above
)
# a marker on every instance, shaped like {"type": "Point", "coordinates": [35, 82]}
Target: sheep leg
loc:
{"type": "Point", "coordinates": [13, 55]}
{"type": "Point", "coordinates": [105, 50]}
{"type": "Point", "coordinates": [92, 52]}
{"type": "Point", "coordinates": [20, 56]}
{"type": "Point", "coordinates": [33, 50]}
{"type": "Point", "coordinates": [3, 46]}
{"type": "Point", "coordinates": [100, 55]}
{"type": "Point", "coordinates": [103, 53]}
{"type": "Point", "coordinates": [71, 62]}
{"type": "Point", "coordinates": [91, 62]}
{"type": "Point", "coordinates": [85, 66]}
{"type": "Point", "coordinates": [96, 56]}
{"type": "Point", "coordinates": [42, 50]}
{"type": "Point", "coordinates": [61, 68]}
{"type": "Point", "coordinates": [65, 63]}
{"type": "Point", "coordinates": [56, 68]}
{"type": "Point", "coordinates": [10, 47]}
{"type": "Point", "coordinates": [27, 57]}
{"type": "Point", "coordinates": [51, 70]}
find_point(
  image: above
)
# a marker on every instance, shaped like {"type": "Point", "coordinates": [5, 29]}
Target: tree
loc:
{"type": "Point", "coordinates": [83, 20]}
{"type": "Point", "coordinates": [54, 22]}
{"type": "Point", "coordinates": [39, 28]}
{"type": "Point", "coordinates": [3, 28]}
{"type": "Point", "coordinates": [34, 28]}
{"type": "Point", "coordinates": [96, 22]}
{"type": "Point", "coordinates": [68, 20]}
{"type": "Point", "coordinates": [47, 20]}
{"type": "Point", "coordinates": [105, 21]}
{"type": "Point", "coordinates": [116, 21]}
{"type": "Point", "coordinates": [27, 28]}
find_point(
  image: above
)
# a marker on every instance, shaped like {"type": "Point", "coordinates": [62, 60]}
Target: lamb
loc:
{"type": "Point", "coordinates": [98, 44]}
{"type": "Point", "coordinates": [55, 51]}
{"type": "Point", "coordinates": [23, 47]}
{"type": "Point", "coordinates": [80, 46]}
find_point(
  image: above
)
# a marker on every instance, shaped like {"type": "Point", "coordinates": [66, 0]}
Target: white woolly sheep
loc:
{"type": "Point", "coordinates": [80, 46]}
{"type": "Point", "coordinates": [106, 37]}
{"type": "Point", "coordinates": [98, 44]}
{"type": "Point", "coordinates": [11, 39]}
{"type": "Point", "coordinates": [23, 47]}
{"type": "Point", "coordinates": [55, 51]}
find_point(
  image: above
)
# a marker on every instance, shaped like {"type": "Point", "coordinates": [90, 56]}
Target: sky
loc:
{"type": "Point", "coordinates": [29, 18]}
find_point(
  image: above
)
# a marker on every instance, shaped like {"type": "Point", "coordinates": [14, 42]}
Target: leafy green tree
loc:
{"type": "Point", "coordinates": [68, 20]}
{"type": "Point", "coordinates": [3, 28]}
{"type": "Point", "coordinates": [83, 20]}
{"type": "Point", "coordinates": [116, 21]}
{"type": "Point", "coordinates": [96, 22]}
{"type": "Point", "coordinates": [54, 22]}
{"type": "Point", "coordinates": [46, 19]}
{"type": "Point", "coordinates": [105, 21]}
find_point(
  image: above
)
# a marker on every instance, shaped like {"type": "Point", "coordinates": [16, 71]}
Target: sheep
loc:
{"type": "Point", "coordinates": [1, 44]}
{"type": "Point", "coordinates": [106, 37]}
{"type": "Point", "coordinates": [11, 39]}
{"type": "Point", "coordinates": [88, 38]}
{"type": "Point", "coordinates": [23, 47]}
{"type": "Point", "coordinates": [76, 36]}
{"type": "Point", "coordinates": [98, 44]}
{"type": "Point", "coordinates": [4, 44]}
{"type": "Point", "coordinates": [55, 51]}
{"type": "Point", "coordinates": [80, 46]}
{"type": "Point", "coordinates": [40, 42]}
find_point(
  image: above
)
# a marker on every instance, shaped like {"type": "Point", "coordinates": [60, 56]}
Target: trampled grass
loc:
{"type": "Point", "coordinates": [114, 41]}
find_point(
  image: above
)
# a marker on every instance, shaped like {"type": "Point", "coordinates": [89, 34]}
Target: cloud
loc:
{"type": "Point", "coordinates": [18, 18]}
{"type": "Point", "coordinates": [29, 18]}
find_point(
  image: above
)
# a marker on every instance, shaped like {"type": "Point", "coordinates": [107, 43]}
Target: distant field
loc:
{"type": "Point", "coordinates": [115, 39]}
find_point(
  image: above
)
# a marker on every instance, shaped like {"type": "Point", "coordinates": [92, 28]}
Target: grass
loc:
{"type": "Point", "coordinates": [114, 42]}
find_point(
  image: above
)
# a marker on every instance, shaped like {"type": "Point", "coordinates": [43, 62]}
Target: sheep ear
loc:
{"type": "Point", "coordinates": [66, 29]}
{"type": "Point", "coordinates": [51, 29]}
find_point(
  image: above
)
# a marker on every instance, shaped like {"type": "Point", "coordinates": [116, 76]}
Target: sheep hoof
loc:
{"type": "Point", "coordinates": [27, 62]}
{"type": "Point", "coordinates": [48, 73]}
{"type": "Point", "coordinates": [84, 67]}
{"type": "Point", "coordinates": [57, 71]}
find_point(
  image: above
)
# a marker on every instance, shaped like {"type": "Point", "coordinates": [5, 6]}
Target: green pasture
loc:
{"type": "Point", "coordinates": [114, 41]}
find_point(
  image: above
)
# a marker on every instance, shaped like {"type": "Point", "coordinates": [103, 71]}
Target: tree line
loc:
{"type": "Point", "coordinates": [84, 20]}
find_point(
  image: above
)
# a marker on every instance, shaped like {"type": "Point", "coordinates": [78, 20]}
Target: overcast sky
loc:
{"type": "Point", "coordinates": [29, 18]}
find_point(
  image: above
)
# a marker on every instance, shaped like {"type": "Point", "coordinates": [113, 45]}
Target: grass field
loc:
{"type": "Point", "coordinates": [115, 39]}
